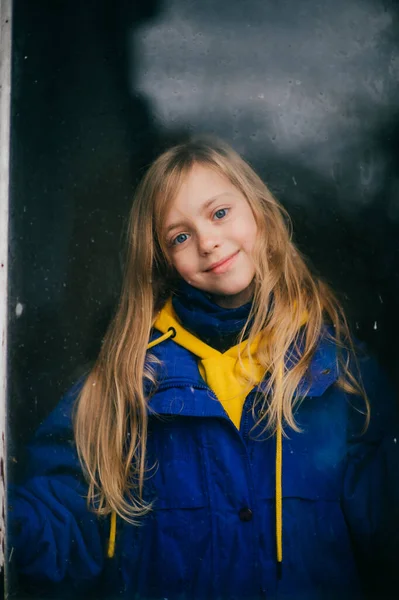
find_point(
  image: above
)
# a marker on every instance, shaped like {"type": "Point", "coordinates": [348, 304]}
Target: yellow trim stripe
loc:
{"type": "Point", "coordinates": [279, 493]}
{"type": "Point", "coordinates": [163, 337]}
{"type": "Point", "coordinates": [112, 536]}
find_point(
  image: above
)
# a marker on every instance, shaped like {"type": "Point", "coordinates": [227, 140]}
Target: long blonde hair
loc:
{"type": "Point", "coordinates": [111, 414]}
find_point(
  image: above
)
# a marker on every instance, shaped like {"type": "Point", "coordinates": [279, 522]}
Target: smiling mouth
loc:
{"type": "Point", "coordinates": [222, 265]}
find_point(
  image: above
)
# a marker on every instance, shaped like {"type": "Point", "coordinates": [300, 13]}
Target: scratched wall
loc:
{"type": "Point", "coordinates": [307, 91]}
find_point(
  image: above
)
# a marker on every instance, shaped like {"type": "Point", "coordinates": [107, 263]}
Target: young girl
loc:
{"type": "Point", "coordinates": [229, 441]}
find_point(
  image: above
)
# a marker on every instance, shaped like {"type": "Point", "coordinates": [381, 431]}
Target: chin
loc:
{"type": "Point", "coordinates": [232, 290]}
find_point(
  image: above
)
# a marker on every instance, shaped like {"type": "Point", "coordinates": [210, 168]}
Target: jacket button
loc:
{"type": "Point", "coordinates": [245, 514]}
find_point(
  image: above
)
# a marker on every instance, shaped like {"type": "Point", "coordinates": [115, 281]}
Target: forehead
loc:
{"type": "Point", "coordinates": [200, 185]}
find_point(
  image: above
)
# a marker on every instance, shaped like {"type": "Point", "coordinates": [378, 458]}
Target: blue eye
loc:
{"type": "Point", "coordinates": [179, 239]}
{"type": "Point", "coordinates": [222, 212]}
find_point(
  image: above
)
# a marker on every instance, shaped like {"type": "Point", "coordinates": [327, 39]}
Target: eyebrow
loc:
{"type": "Point", "coordinates": [204, 208]}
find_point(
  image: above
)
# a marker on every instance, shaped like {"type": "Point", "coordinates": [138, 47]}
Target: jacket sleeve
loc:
{"type": "Point", "coordinates": [52, 534]}
{"type": "Point", "coordinates": [371, 486]}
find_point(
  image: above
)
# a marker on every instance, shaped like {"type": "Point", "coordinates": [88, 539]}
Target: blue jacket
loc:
{"type": "Point", "coordinates": [211, 534]}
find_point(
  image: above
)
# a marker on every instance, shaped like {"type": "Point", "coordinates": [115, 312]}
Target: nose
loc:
{"type": "Point", "coordinates": [207, 242]}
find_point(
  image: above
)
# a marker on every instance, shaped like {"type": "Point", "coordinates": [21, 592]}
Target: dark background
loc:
{"type": "Point", "coordinates": [307, 91]}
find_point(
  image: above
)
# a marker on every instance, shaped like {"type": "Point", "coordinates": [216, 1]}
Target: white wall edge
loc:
{"type": "Point", "coordinates": [5, 95]}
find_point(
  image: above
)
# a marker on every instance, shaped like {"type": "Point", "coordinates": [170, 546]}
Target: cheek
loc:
{"type": "Point", "coordinates": [183, 265]}
{"type": "Point", "coordinates": [249, 235]}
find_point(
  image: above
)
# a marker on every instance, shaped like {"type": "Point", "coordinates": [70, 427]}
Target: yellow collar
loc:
{"type": "Point", "coordinates": [230, 379]}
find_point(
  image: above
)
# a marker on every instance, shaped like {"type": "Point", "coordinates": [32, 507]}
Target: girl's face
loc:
{"type": "Point", "coordinates": [210, 231]}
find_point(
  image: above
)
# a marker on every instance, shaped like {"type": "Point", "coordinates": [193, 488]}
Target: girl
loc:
{"type": "Point", "coordinates": [229, 441]}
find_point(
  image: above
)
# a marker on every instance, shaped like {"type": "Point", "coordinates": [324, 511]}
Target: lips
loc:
{"type": "Point", "coordinates": [222, 265]}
